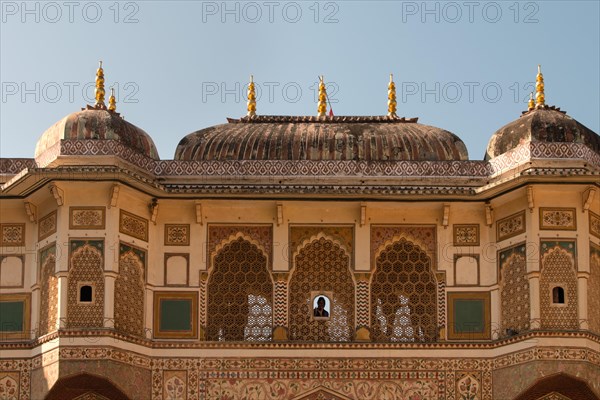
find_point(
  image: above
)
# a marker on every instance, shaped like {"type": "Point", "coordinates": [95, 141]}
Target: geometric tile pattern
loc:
{"type": "Point", "coordinates": [520, 154]}
{"type": "Point", "coordinates": [240, 294]}
{"type": "Point", "coordinates": [300, 234]}
{"type": "Point", "coordinates": [262, 234]}
{"type": "Point", "coordinates": [47, 225]}
{"type": "Point", "coordinates": [403, 295]}
{"type": "Point", "coordinates": [594, 224]}
{"type": "Point", "coordinates": [321, 265]}
{"type": "Point", "coordinates": [87, 217]}
{"type": "Point", "coordinates": [48, 291]}
{"type": "Point", "coordinates": [466, 235]}
{"type": "Point", "coordinates": [558, 218]}
{"type": "Point", "coordinates": [594, 289]}
{"type": "Point", "coordinates": [86, 266]}
{"type": "Point", "coordinates": [514, 290]}
{"type": "Point", "coordinates": [177, 234]}
{"type": "Point", "coordinates": [130, 292]}
{"type": "Point", "coordinates": [362, 301]}
{"type": "Point", "coordinates": [133, 225]}
{"type": "Point", "coordinates": [441, 303]}
{"type": "Point", "coordinates": [287, 378]}
{"type": "Point", "coordinates": [510, 226]}
{"type": "Point", "coordinates": [557, 265]}
{"type": "Point", "coordinates": [422, 236]}
{"type": "Point", "coordinates": [280, 302]}
{"type": "Point", "coordinates": [202, 298]}
{"type": "Point", "coordinates": [12, 234]}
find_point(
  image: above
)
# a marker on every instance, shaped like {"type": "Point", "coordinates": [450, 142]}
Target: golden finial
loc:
{"type": "Point", "coordinates": [531, 104]}
{"type": "Point", "coordinates": [100, 87]}
{"type": "Point", "coordinates": [251, 98]}
{"type": "Point", "coordinates": [540, 99]}
{"type": "Point", "coordinates": [112, 101]}
{"type": "Point", "coordinates": [322, 107]}
{"type": "Point", "coordinates": [392, 97]}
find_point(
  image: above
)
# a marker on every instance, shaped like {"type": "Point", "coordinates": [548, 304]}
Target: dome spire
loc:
{"type": "Point", "coordinates": [322, 107]}
{"type": "Point", "coordinates": [392, 97]}
{"type": "Point", "coordinates": [112, 101]}
{"type": "Point", "coordinates": [531, 104]}
{"type": "Point", "coordinates": [251, 98]}
{"type": "Point", "coordinates": [540, 100]}
{"type": "Point", "coordinates": [100, 88]}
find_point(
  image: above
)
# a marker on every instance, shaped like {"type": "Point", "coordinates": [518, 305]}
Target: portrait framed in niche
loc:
{"type": "Point", "coordinates": [320, 301]}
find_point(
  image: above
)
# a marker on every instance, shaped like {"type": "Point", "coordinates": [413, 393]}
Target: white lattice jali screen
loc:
{"type": "Point", "coordinates": [239, 295]}
{"type": "Point", "coordinates": [403, 295]}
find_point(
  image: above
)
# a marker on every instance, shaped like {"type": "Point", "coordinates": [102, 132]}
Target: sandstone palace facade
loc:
{"type": "Point", "coordinates": [302, 257]}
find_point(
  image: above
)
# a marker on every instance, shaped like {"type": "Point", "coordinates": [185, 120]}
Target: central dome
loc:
{"type": "Point", "coordinates": [322, 138]}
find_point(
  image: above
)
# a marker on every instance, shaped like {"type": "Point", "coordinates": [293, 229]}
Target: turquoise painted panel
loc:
{"type": "Point", "coordinates": [175, 315]}
{"type": "Point", "coordinates": [11, 316]}
{"type": "Point", "coordinates": [469, 315]}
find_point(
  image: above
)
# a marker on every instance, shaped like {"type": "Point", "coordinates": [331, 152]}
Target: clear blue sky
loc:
{"type": "Point", "coordinates": [463, 66]}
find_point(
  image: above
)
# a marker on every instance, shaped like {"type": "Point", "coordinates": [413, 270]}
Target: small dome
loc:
{"type": "Point", "coordinates": [547, 124]}
{"type": "Point", "coordinates": [97, 124]}
{"type": "Point", "coordinates": [322, 138]}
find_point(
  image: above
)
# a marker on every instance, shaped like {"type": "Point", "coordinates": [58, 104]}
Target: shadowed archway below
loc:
{"type": "Point", "coordinates": [565, 385]}
{"type": "Point", "coordinates": [75, 386]}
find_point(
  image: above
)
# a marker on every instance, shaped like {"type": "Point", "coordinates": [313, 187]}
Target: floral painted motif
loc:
{"type": "Point", "coordinates": [468, 388]}
{"type": "Point", "coordinates": [9, 388]}
{"type": "Point", "coordinates": [174, 388]}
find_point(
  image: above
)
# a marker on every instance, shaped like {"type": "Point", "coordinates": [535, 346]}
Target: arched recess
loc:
{"type": "Point", "coordinates": [86, 266]}
{"type": "Point", "coordinates": [239, 292]}
{"type": "Point", "coordinates": [321, 264]}
{"type": "Point", "coordinates": [594, 289]}
{"type": "Point", "coordinates": [558, 270]}
{"type": "Point", "coordinates": [85, 387]}
{"type": "Point", "coordinates": [404, 299]}
{"type": "Point", "coordinates": [48, 292]}
{"type": "Point", "coordinates": [129, 294]}
{"type": "Point", "coordinates": [514, 290]}
{"type": "Point", "coordinates": [557, 385]}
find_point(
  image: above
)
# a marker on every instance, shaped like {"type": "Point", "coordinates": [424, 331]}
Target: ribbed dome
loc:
{"type": "Point", "coordinates": [324, 138]}
{"type": "Point", "coordinates": [547, 124]}
{"type": "Point", "coordinates": [97, 124]}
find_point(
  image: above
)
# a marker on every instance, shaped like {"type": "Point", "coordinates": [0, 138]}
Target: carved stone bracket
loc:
{"type": "Point", "coordinates": [446, 216]}
{"type": "Point", "coordinates": [363, 214]}
{"type": "Point", "coordinates": [489, 215]}
{"type": "Point", "coordinates": [114, 196]}
{"type": "Point", "coordinates": [198, 206]}
{"type": "Point", "coordinates": [31, 211]}
{"type": "Point", "coordinates": [58, 193]}
{"type": "Point", "coordinates": [588, 197]}
{"type": "Point", "coordinates": [279, 214]}
{"type": "Point", "coordinates": [530, 199]}
{"type": "Point", "coordinates": [153, 208]}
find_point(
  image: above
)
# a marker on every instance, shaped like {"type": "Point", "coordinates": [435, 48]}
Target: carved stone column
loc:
{"type": "Point", "coordinates": [203, 304]}
{"type": "Point", "coordinates": [582, 297]}
{"type": "Point", "coordinates": [63, 294]}
{"type": "Point", "coordinates": [280, 306]}
{"type": "Point", "coordinates": [363, 307]}
{"type": "Point", "coordinates": [109, 299]}
{"type": "Point", "coordinates": [534, 300]}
